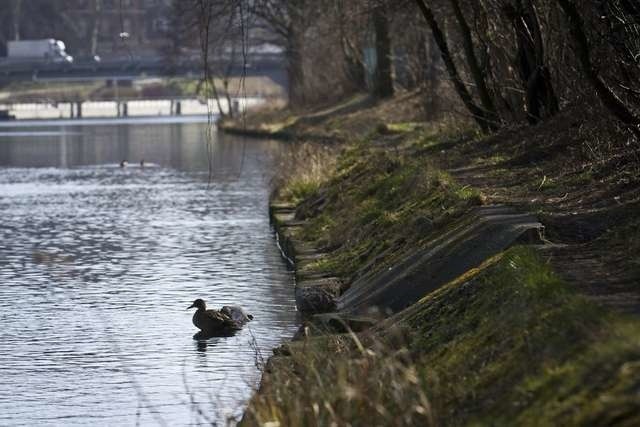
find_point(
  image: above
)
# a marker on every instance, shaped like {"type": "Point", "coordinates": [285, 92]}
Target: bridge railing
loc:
{"type": "Point", "coordinates": [127, 107]}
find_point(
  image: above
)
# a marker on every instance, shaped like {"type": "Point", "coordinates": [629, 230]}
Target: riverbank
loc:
{"type": "Point", "coordinates": [335, 123]}
{"type": "Point", "coordinates": [504, 270]}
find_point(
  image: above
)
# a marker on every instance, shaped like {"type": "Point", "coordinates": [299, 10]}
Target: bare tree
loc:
{"type": "Point", "coordinates": [288, 19]}
{"type": "Point", "coordinates": [95, 26]}
{"type": "Point", "coordinates": [583, 50]}
{"type": "Point", "coordinates": [17, 16]}
{"type": "Point", "coordinates": [351, 33]}
{"type": "Point", "coordinates": [541, 100]}
{"type": "Point", "coordinates": [383, 86]}
{"type": "Point", "coordinates": [480, 116]}
{"type": "Point", "coordinates": [477, 73]}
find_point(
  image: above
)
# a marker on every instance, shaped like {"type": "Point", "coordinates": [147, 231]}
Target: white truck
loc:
{"type": "Point", "coordinates": [42, 50]}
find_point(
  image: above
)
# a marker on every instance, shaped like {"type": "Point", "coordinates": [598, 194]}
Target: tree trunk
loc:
{"type": "Point", "coordinates": [95, 29]}
{"type": "Point", "coordinates": [354, 67]}
{"type": "Point", "coordinates": [17, 14]}
{"type": "Point", "coordinates": [479, 115]}
{"type": "Point", "coordinates": [226, 75]}
{"type": "Point", "coordinates": [216, 96]}
{"type": "Point", "coordinates": [383, 87]}
{"type": "Point", "coordinates": [476, 71]}
{"type": "Point", "coordinates": [606, 95]}
{"type": "Point", "coordinates": [295, 69]}
{"type": "Point", "coordinates": [540, 98]}
{"type": "Point", "coordinates": [432, 78]}
{"type": "Point", "coordinates": [296, 28]}
{"type": "Point", "coordinates": [227, 96]}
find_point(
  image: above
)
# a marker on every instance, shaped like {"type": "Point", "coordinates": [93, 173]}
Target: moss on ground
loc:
{"type": "Point", "coordinates": [511, 344]}
{"type": "Point", "coordinates": [517, 345]}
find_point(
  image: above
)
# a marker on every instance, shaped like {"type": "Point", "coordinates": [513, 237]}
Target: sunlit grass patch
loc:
{"type": "Point", "coordinates": [378, 199]}
{"type": "Point", "coordinates": [277, 126]}
{"type": "Point", "coordinates": [300, 188]}
{"type": "Point", "coordinates": [301, 171]}
{"type": "Point", "coordinates": [403, 127]}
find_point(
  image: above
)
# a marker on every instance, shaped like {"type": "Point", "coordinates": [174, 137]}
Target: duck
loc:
{"type": "Point", "coordinates": [226, 321]}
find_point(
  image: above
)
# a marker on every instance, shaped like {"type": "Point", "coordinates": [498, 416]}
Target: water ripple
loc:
{"type": "Point", "coordinates": [97, 266]}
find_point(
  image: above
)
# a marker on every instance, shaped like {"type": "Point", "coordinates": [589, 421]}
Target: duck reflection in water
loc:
{"type": "Point", "coordinates": [201, 345]}
{"type": "Point", "coordinates": [218, 323]}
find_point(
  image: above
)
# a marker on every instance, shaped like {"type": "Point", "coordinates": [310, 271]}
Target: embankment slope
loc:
{"type": "Point", "coordinates": [490, 328]}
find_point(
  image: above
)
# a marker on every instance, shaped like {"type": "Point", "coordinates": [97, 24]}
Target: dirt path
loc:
{"type": "Point", "coordinates": [577, 217]}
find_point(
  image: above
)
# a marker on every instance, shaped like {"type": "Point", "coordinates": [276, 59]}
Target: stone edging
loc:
{"type": "Point", "coordinates": [314, 294]}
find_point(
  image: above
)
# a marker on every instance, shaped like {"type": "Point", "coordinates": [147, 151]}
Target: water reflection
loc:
{"type": "Point", "coordinates": [201, 344]}
{"type": "Point", "coordinates": [97, 263]}
{"type": "Point", "coordinates": [94, 145]}
{"type": "Point", "coordinates": [160, 144]}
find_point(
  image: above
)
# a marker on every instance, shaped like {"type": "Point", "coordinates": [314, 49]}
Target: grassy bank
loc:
{"type": "Point", "coordinates": [537, 335]}
{"type": "Point", "coordinates": [343, 122]}
{"type": "Point", "coordinates": [514, 345]}
{"type": "Point", "coordinates": [378, 204]}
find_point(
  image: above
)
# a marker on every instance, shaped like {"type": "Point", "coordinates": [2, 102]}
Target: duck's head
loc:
{"type": "Point", "coordinates": [199, 304]}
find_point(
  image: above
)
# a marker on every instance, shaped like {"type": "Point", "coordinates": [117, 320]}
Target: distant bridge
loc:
{"type": "Point", "coordinates": [124, 107]}
{"type": "Point", "coordinates": [270, 65]}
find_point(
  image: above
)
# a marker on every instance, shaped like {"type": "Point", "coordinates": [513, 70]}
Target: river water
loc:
{"type": "Point", "coordinates": [98, 264]}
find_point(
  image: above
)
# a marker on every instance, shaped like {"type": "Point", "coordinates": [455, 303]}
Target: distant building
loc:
{"type": "Point", "coordinates": [145, 22]}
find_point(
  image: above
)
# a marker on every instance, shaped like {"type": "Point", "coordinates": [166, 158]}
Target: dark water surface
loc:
{"type": "Point", "coordinates": [98, 263]}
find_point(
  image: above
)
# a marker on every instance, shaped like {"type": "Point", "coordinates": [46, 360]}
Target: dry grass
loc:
{"type": "Point", "coordinates": [302, 170]}
{"type": "Point", "coordinates": [336, 381]}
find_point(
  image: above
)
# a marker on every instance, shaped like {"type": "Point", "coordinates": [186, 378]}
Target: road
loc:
{"type": "Point", "coordinates": [269, 65]}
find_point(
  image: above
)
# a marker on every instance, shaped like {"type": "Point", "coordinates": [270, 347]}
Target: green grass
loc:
{"type": "Point", "coordinates": [516, 345]}
{"type": "Point", "coordinates": [400, 127]}
{"type": "Point", "coordinates": [300, 189]}
{"type": "Point", "coordinates": [377, 200]}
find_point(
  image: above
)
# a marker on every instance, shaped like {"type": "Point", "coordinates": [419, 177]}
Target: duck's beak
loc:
{"type": "Point", "coordinates": [191, 306]}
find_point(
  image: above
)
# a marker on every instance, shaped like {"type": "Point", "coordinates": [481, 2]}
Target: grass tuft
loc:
{"type": "Point", "coordinates": [336, 381]}
{"type": "Point", "coordinates": [302, 170]}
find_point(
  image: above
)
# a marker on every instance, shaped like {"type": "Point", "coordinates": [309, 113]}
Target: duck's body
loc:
{"type": "Point", "coordinates": [219, 322]}
{"type": "Point", "coordinates": [237, 313]}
